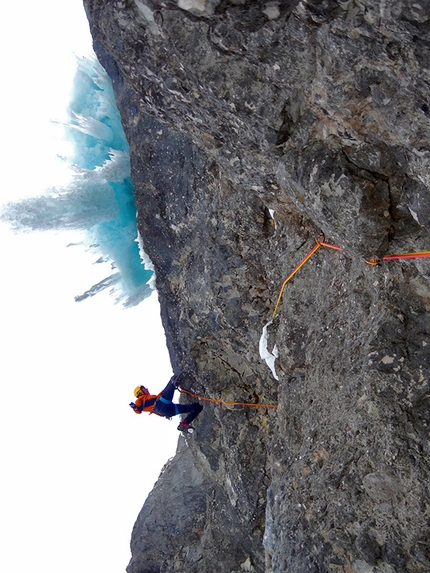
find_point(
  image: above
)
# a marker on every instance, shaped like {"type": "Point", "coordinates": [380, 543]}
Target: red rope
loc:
{"type": "Point", "coordinates": [331, 246]}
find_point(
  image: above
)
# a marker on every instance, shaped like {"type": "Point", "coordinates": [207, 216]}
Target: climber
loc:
{"type": "Point", "coordinates": [162, 404]}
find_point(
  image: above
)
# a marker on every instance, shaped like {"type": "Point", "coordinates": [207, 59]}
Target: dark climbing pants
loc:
{"type": "Point", "coordinates": [165, 407]}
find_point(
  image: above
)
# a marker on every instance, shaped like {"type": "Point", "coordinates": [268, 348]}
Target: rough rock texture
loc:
{"type": "Point", "coordinates": [254, 126]}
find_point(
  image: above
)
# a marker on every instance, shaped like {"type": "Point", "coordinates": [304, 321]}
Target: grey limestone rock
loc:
{"type": "Point", "coordinates": [254, 127]}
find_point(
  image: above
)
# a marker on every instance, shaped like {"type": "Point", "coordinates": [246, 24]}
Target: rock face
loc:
{"type": "Point", "coordinates": [254, 126]}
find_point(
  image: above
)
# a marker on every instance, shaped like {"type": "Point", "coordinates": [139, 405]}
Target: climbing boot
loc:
{"type": "Point", "coordinates": [176, 380]}
{"type": "Point", "coordinates": [186, 428]}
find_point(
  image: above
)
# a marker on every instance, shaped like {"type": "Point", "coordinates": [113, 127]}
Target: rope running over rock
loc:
{"type": "Point", "coordinates": [320, 242]}
{"type": "Point", "coordinates": [225, 403]}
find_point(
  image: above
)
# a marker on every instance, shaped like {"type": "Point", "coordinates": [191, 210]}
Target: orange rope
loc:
{"type": "Point", "coordinates": [290, 276]}
{"type": "Point", "coordinates": [322, 243]}
{"type": "Point", "coordinates": [419, 255]}
{"type": "Point", "coordinates": [376, 261]}
{"type": "Point", "coordinates": [223, 402]}
{"type": "Point", "coordinates": [319, 244]}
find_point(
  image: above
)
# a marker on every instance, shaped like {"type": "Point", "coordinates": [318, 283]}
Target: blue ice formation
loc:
{"type": "Point", "coordinates": [101, 151]}
{"type": "Point", "coordinates": [100, 198]}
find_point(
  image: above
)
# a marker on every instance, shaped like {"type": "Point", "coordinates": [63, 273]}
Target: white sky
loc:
{"type": "Point", "coordinates": [77, 463]}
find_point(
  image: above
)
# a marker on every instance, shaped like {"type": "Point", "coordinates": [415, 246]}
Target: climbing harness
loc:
{"type": "Point", "coordinates": [225, 403]}
{"type": "Point", "coordinates": [158, 407]}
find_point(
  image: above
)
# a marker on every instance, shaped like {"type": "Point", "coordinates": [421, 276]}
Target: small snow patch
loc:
{"type": "Point", "coordinates": [272, 10]}
{"type": "Point", "coordinates": [268, 357]}
{"type": "Point", "coordinates": [414, 215]}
